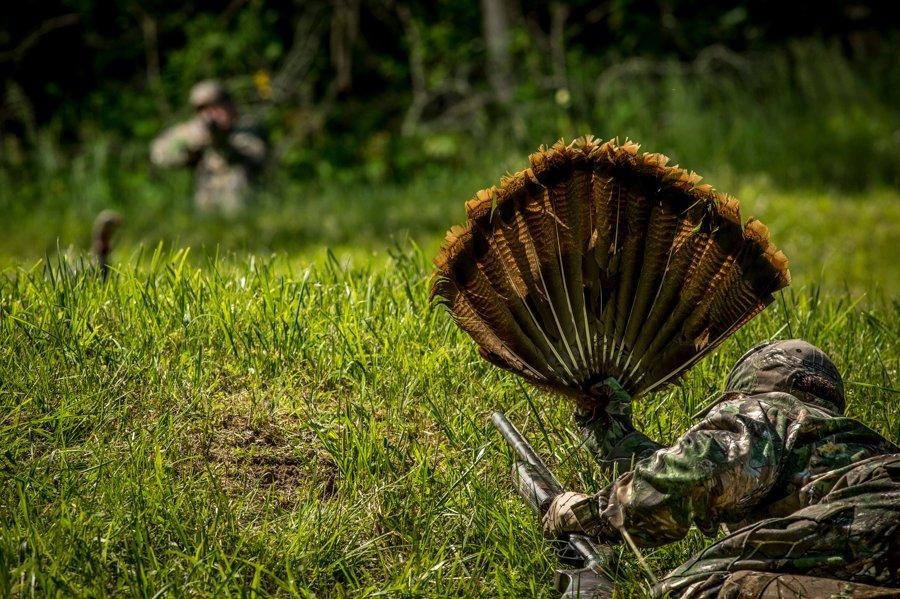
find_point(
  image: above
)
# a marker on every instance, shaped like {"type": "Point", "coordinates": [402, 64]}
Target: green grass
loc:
{"type": "Point", "coordinates": [263, 426]}
{"type": "Point", "coordinates": [277, 411]}
{"type": "Point", "coordinates": [843, 241]}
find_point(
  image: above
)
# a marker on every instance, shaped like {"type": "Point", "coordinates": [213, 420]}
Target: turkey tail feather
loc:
{"type": "Point", "coordinates": [601, 261]}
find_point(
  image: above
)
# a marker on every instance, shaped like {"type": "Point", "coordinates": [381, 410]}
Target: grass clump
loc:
{"type": "Point", "coordinates": [220, 425]}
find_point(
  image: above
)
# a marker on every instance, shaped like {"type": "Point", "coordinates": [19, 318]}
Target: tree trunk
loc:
{"type": "Point", "coordinates": [495, 24]}
{"type": "Point", "coordinates": [559, 13]}
{"type": "Point", "coordinates": [344, 30]}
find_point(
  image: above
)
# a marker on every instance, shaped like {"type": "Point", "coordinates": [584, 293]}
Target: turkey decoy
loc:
{"type": "Point", "coordinates": [600, 261]}
{"type": "Point", "coordinates": [105, 226]}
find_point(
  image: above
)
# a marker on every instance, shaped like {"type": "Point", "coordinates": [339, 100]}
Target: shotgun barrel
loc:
{"type": "Point", "coordinates": [537, 485]}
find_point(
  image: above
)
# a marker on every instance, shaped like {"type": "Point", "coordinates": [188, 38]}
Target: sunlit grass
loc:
{"type": "Point", "coordinates": [215, 426]}
{"type": "Point", "coordinates": [278, 409]}
{"type": "Point", "coordinates": [837, 240]}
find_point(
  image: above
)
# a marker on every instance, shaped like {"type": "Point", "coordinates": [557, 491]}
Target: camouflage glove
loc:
{"type": "Point", "coordinates": [618, 408]}
{"type": "Point", "coordinates": [609, 433]}
{"type": "Point", "coordinates": [572, 512]}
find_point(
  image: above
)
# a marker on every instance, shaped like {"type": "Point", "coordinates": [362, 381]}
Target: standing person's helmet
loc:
{"type": "Point", "coordinates": [795, 367]}
{"type": "Point", "coordinates": [208, 93]}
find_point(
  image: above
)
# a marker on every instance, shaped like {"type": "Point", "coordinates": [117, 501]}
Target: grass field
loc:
{"type": "Point", "coordinates": [276, 418]}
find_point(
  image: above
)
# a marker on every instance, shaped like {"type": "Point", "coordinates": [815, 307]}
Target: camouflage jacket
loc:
{"type": "Point", "coordinates": [750, 458]}
{"type": "Point", "coordinates": [225, 162]}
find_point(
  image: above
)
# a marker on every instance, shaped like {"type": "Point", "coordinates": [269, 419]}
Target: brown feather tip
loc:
{"type": "Point", "coordinates": [729, 208]}
{"type": "Point", "coordinates": [481, 205]}
{"type": "Point", "coordinates": [758, 233]}
{"type": "Point", "coordinates": [551, 166]}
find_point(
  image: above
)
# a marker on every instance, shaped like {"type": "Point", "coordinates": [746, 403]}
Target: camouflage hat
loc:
{"type": "Point", "coordinates": [208, 93]}
{"type": "Point", "coordinates": [792, 366]}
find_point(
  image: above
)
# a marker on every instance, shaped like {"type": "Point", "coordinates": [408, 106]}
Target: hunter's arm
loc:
{"type": "Point", "coordinates": [180, 145]}
{"type": "Point", "coordinates": [615, 443]}
{"type": "Point", "coordinates": [611, 436]}
{"type": "Point", "coordinates": [719, 469]}
{"type": "Point", "coordinates": [249, 146]}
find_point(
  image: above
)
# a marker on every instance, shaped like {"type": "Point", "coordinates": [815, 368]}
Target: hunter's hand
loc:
{"type": "Point", "coordinates": [616, 408]}
{"type": "Point", "coordinates": [563, 515]}
{"type": "Point", "coordinates": [619, 405]}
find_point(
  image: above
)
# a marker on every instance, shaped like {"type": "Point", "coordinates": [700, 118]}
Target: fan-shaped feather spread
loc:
{"type": "Point", "coordinates": [599, 261]}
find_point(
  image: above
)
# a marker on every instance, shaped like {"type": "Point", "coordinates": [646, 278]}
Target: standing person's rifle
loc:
{"type": "Point", "coordinates": [537, 485]}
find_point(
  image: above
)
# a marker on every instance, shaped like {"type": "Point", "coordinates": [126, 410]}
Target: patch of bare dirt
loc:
{"type": "Point", "coordinates": [267, 456]}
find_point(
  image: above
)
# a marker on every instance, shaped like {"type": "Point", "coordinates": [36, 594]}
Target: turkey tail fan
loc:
{"type": "Point", "coordinates": [599, 261]}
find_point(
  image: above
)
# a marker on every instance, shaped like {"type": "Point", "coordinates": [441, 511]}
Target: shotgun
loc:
{"type": "Point", "coordinates": [537, 485]}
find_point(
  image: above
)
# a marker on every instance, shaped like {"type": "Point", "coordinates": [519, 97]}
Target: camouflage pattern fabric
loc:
{"type": "Point", "coordinates": [762, 585]}
{"type": "Point", "coordinates": [851, 534]}
{"type": "Point", "coordinates": [803, 490]}
{"type": "Point", "coordinates": [793, 366]}
{"type": "Point", "coordinates": [225, 162]}
{"type": "Point", "coordinates": [611, 437]}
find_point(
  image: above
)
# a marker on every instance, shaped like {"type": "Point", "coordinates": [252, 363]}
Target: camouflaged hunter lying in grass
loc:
{"type": "Point", "coordinates": [599, 262]}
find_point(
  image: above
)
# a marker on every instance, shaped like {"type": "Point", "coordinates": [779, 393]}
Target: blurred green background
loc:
{"type": "Point", "coordinates": [385, 116]}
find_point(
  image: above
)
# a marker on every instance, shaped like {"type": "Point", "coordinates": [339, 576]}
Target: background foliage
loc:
{"type": "Point", "coordinates": [266, 405]}
{"type": "Point", "coordinates": [803, 91]}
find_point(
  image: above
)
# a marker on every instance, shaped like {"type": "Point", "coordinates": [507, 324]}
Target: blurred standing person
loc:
{"type": "Point", "coordinates": [226, 152]}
